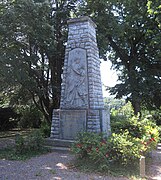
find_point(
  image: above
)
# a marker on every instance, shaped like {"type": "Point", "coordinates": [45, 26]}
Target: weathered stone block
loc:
{"type": "Point", "coordinates": [72, 122]}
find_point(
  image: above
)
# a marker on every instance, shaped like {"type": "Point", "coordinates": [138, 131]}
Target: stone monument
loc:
{"type": "Point", "coordinates": [81, 106]}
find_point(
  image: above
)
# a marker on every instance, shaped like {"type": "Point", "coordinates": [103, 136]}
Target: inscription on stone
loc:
{"type": "Point", "coordinates": [72, 122]}
{"type": "Point", "coordinates": [76, 88]}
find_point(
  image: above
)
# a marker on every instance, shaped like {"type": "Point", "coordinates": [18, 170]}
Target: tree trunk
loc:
{"type": "Point", "coordinates": [136, 103]}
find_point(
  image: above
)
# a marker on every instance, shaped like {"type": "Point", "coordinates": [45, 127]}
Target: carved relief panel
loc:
{"type": "Point", "coordinates": [76, 87]}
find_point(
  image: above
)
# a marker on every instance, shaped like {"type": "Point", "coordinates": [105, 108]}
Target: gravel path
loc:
{"type": "Point", "coordinates": [52, 166]}
{"type": "Point", "coordinates": [55, 166]}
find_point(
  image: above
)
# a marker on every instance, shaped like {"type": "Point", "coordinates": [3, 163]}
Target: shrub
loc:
{"type": "Point", "coordinates": [8, 118]}
{"type": "Point", "coordinates": [121, 148]}
{"type": "Point", "coordinates": [124, 148]}
{"type": "Point", "coordinates": [30, 117]}
{"type": "Point", "coordinates": [32, 142]}
{"type": "Point", "coordinates": [45, 129]}
{"type": "Point", "coordinates": [124, 112]}
{"type": "Point", "coordinates": [85, 142]}
{"type": "Point", "coordinates": [20, 144]}
{"type": "Point", "coordinates": [132, 137]}
{"type": "Point", "coordinates": [144, 129]}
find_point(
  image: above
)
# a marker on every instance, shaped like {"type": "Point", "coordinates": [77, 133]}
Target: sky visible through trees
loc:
{"type": "Point", "coordinates": [108, 76]}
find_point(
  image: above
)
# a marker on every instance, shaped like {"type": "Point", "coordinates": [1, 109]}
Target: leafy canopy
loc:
{"type": "Point", "coordinates": [130, 36]}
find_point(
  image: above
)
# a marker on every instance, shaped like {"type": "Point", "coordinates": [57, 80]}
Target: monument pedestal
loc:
{"type": "Point", "coordinates": [66, 124]}
{"type": "Point", "coordinates": [81, 106]}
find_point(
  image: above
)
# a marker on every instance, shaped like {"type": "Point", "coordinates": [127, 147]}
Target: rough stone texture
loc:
{"type": "Point", "coordinates": [71, 122]}
{"type": "Point", "coordinates": [82, 38]}
{"type": "Point", "coordinates": [55, 127]}
{"type": "Point", "coordinates": [76, 84]}
{"type": "Point", "coordinates": [142, 166]}
{"type": "Point", "coordinates": [81, 87]}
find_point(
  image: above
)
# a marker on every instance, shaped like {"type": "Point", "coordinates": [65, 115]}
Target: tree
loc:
{"type": "Point", "coordinates": [32, 38]}
{"type": "Point", "coordinates": [112, 103]}
{"type": "Point", "coordinates": [154, 8]}
{"type": "Point", "coordinates": [132, 38]}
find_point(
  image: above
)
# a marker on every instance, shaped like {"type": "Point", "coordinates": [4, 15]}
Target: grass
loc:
{"type": "Point", "coordinates": [10, 154]}
{"type": "Point", "coordinates": [38, 174]}
{"type": "Point", "coordinates": [13, 132]}
{"type": "Point", "coordinates": [28, 144]}
{"type": "Point", "coordinates": [52, 171]}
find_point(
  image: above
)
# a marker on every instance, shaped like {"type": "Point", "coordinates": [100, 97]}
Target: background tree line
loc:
{"type": "Point", "coordinates": [33, 34]}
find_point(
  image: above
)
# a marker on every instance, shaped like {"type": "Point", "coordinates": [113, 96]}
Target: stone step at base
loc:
{"type": "Point", "coordinates": [58, 142]}
{"type": "Point", "coordinates": [58, 149]}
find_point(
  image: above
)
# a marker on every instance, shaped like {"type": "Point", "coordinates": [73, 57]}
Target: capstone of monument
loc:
{"type": "Point", "coordinates": [81, 106]}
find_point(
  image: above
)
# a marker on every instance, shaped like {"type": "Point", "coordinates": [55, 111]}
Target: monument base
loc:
{"type": "Point", "coordinates": [51, 142]}
{"type": "Point", "coordinates": [66, 124]}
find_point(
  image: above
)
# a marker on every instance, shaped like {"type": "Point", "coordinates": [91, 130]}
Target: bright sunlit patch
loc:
{"type": "Point", "coordinates": [57, 178]}
{"type": "Point", "coordinates": [64, 156]}
{"type": "Point", "coordinates": [48, 168]}
{"type": "Point", "coordinates": [61, 166]}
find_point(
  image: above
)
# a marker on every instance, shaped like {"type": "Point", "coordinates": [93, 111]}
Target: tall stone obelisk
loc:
{"type": "Point", "coordinates": [81, 106]}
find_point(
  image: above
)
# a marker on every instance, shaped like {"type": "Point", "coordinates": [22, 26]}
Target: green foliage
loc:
{"type": "Point", "coordinates": [124, 148]}
{"type": "Point", "coordinates": [132, 137]}
{"type": "Point", "coordinates": [112, 103]}
{"type": "Point", "coordinates": [85, 142]}
{"type": "Point", "coordinates": [32, 142]}
{"type": "Point", "coordinates": [25, 34]}
{"type": "Point", "coordinates": [121, 148]}
{"type": "Point", "coordinates": [10, 154]}
{"type": "Point", "coordinates": [156, 116]}
{"type": "Point", "coordinates": [8, 118]}
{"type": "Point", "coordinates": [124, 112]}
{"type": "Point", "coordinates": [19, 140]}
{"type": "Point", "coordinates": [26, 146]}
{"type": "Point", "coordinates": [4, 102]}
{"type": "Point", "coordinates": [154, 8]}
{"type": "Point", "coordinates": [32, 38]}
{"type": "Point", "coordinates": [45, 129]}
{"type": "Point", "coordinates": [131, 39]}
{"type": "Point", "coordinates": [139, 127]}
{"type": "Point", "coordinates": [30, 117]}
